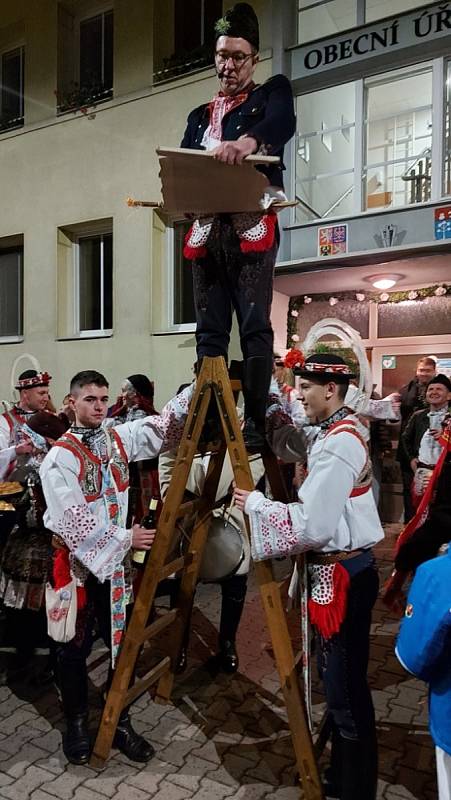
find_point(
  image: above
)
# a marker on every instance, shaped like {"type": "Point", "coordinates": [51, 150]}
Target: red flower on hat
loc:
{"type": "Point", "coordinates": [294, 358]}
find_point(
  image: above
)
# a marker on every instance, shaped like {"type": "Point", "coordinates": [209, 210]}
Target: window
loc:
{"type": "Point", "coordinates": [11, 293]}
{"type": "Point", "coordinates": [447, 133]}
{"type": "Point", "coordinates": [399, 138]}
{"type": "Point", "coordinates": [12, 88]}
{"type": "Point", "coordinates": [378, 9]}
{"type": "Point", "coordinates": [85, 59]}
{"type": "Point", "coordinates": [325, 152]}
{"type": "Point", "coordinates": [185, 42]}
{"type": "Point", "coordinates": [94, 270]}
{"type": "Point", "coordinates": [318, 18]}
{"type": "Point", "coordinates": [96, 57]}
{"type": "Point", "coordinates": [183, 312]}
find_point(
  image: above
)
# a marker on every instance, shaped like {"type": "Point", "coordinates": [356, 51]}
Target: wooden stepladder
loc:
{"type": "Point", "coordinates": [213, 379]}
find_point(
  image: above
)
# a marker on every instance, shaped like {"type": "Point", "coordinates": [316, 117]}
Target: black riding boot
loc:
{"type": "Point", "coordinates": [332, 774]}
{"type": "Point", "coordinates": [73, 685]}
{"type": "Point", "coordinates": [359, 768]}
{"type": "Point", "coordinates": [134, 746]}
{"type": "Point", "coordinates": [233, 596]}
{"type": "Point", "coordinates": [257, 377]}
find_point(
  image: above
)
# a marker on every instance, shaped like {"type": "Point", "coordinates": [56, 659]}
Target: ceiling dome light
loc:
{"type": "Point", "coordinates": [384, 281]}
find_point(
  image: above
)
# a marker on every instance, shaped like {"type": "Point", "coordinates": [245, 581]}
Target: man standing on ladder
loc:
{"type": "Point", "coordinates": [233, 255]}
{"type": "Point", "coordinates": [336, 523]}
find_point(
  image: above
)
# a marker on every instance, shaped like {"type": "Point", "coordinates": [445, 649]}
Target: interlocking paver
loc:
{"type": "Point", "coordinates": [223, 736]}
{"type": "Point", "coordinates": [22, 788]}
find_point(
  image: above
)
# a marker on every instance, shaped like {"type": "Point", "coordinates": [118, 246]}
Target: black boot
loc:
{"type": "Point", "coordinates": [76, 742]}
{"type": "Point", "coordinates": [358, 768]}
{"type": "Point", "coordinates": [332, 773]}
{"type": "Point", "coordinates": [233, 596]}
{"type": "Point", "coordinates": [228, 657]}
{"type": "Point", "coordinates": [134, 746]}
{"type": "Point", "coordinates": [72, 680]}
{"type": "Point", "coordinates": [257, 377]}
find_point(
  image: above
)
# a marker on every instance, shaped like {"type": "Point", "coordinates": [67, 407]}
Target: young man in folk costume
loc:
{"type": "Point", "coordinates": [336, 524]}
{"type": "Point", "coordinates": [234, 254]}
{"type": "Point", "coordinates": [136, 402]}
{"type": "Point", "coordinates": [15, 446]}
{"type": "Point", "coordinates": [85, 483]}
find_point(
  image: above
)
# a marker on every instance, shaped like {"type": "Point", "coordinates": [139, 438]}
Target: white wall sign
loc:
{"type": "Point", "coordinates": [396, 33]}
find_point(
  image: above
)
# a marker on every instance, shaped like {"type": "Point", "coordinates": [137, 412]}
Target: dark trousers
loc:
{"type": "Point", "coordinates": [407, 478]}
{"type": "Point", "coordinates": [72, 671]}
{"type": "Point", "coordinates": [226, 280]}
{"type": "Point", "coordinates": [233, 590]}
{"type": "Point", "coordinates": [343, 664]}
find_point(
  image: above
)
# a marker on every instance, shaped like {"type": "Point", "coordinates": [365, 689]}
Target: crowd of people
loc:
{"type": "Point", "coordinates": [75, 485]}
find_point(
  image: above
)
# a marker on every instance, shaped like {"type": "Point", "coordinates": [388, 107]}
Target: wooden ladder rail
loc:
{"type": "Point", "coordinates": [213, 378]}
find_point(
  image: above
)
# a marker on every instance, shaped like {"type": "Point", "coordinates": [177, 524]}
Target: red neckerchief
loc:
{"type": "Point", "coordinates": [221, 105]}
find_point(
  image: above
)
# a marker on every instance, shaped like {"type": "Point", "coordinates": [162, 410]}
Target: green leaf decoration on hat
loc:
{"type": "Point", "coordinates": [222, 26]}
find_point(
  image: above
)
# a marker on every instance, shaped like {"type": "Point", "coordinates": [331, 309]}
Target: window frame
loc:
{"type": "Point", "coordinates": [174, 327]}
{"type": "Point", "coordinates": [100, 11]}
{"type": "Point", "coordinates": [438, 67]}
{"type": "Point", "coordinates": [20, 46]}
{"type": "Point", "coordinates": [95, 332]}
{"type": "Point", "coordinates": [19, 337]}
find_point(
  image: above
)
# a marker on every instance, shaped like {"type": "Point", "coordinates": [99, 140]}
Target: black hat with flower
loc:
{"type": "Point", "coordinates": [239, 22]}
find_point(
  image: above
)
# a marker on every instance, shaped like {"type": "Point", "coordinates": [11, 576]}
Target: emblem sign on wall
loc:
{"type": "Point", "coordinates": [332, 240]}
{"type": "Point", "coordinates": [442, 222]}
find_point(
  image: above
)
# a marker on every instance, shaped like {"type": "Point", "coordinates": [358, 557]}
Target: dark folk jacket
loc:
{"type": "Point", "coordinates": [411, 401]}
{"type": "Point", "coordinates": [267, 114]}
{"type": "Point", "coordinates": [413, 433]}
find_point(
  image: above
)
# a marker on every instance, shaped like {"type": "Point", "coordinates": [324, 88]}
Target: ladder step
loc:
{"type": "Point", "coordinates": [141, 685]}
{"type": "Point", "coordinates": [162, 622]}
{"type": "Point", "coordinates": [182, 562]}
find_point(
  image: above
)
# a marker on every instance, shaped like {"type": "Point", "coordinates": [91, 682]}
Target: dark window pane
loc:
{"type": "Point", "coordinates": [89, 284]}
{"type": "Point", "coordinates": [12, 86]}
{"type": "Point", "coordinates": [414, 318]}
{"type": "Point", "coordinates": [11, 282]}
{"type": "Point", "coordinates": [188, 25]}
{"type": "Point", "coordinates": [91, 52]}
{"type": "Point", "coordinates": [212, 12]}
{"type": "Point", "coordinates": [108, 50]}
{"type": "Point", "coordinates": [183, 282]}
{"type": "Point", "coordinates": [108, 281]}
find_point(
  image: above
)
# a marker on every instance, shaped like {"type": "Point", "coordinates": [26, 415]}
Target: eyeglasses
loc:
{"type": "Point", "coordinates": [238, 58]}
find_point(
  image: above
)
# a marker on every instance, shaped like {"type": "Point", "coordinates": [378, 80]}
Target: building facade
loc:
{"type": "Point", "coordinates": [371, 171]}
{"type": "Point", "coordinates": [89, 89]}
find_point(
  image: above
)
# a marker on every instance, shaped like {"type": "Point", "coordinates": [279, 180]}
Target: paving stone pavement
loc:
{"type": "Point", "coordinates": [223, 736]}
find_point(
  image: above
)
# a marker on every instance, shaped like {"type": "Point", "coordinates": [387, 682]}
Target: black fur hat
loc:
{"type": "Point", "coordinates": [239, 22]}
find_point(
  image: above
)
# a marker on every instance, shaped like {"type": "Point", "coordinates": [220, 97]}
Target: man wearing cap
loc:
{"type": "Point", "coordinates": [33, 390]}
{"type": "Point", "coordinates": [420, 437]}
{"type": "Point", "coordinates": [336, 524]}
{"type": "Point", "coordinates": [233, 255]}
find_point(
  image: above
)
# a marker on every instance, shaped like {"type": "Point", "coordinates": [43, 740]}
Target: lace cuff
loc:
{"type": "Point", "coordinates": [272, 529]}
{"type": "Point", "coordinates": [173, 418]}
{"type": "Point", "coordinates": [101, 549]}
